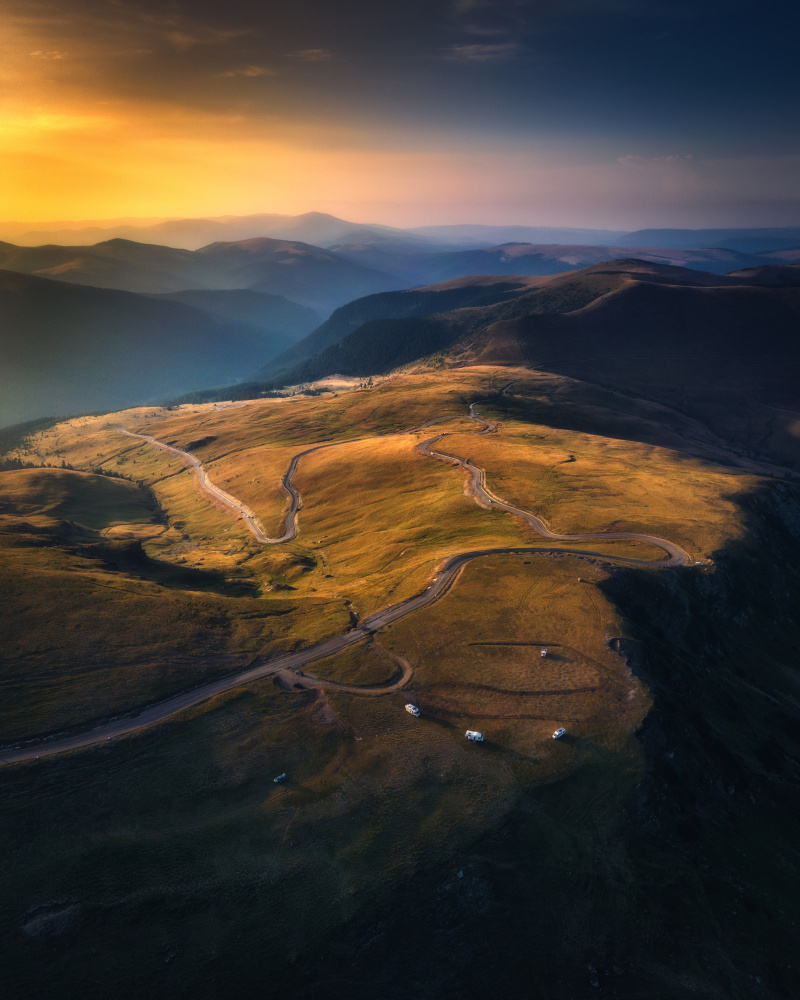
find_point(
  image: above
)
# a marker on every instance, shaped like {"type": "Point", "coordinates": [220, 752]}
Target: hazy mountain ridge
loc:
{"type": "Point", "coordinates": [314, 277]}
{"type": "Point", "coordinates": [70, 348]}
{"type": "Point", "coordinates": [323, 229]}
{"type": "Point", "coordinates": [324, 279]}
{"type": "Point", "coordinates": [549, 259]}
{"type": "Point", "coordinates": [310, 227]}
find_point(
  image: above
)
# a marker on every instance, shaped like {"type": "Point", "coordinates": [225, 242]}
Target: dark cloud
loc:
{"type": "Point", "coordinates": [313, 55]}
{"type": "Point", "coordinates": [483, 52]}
{"type": "Point", "coordinates": [640, 84]}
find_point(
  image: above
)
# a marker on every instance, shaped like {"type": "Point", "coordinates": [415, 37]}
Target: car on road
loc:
{"type": "Point", "coordinates": [412, 709]}
{"type": "Point", "coordinates": [559, 733]}
{"type": "Point", "coordinates": [474, 736]}
{"type": "Point", "coordinates": [280, 779]}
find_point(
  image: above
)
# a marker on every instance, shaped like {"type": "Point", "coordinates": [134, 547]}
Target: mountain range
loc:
{"type": "Point", "coordinates": [323, 279]}
{"type": "Point", "coordinates": [123, 322]}
{"type": "Point", "coordinates": [311, 276]}
{"type": "Point", "coordinates": [321, 229]}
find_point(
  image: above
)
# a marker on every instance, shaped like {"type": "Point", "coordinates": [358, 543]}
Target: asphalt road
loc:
{"type": "Point", "coordinates": [292, 662]}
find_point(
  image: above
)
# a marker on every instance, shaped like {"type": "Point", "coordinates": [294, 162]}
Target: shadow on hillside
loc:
{"type": "Point", "coordinates": [698, 416]}
{"type": "Point", "coordinates": [129, 557]}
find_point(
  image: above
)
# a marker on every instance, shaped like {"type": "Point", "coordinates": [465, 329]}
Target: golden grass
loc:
{"type": "Point", "coordinates": [364, 665]}
{"type": "Point", "coordinates": [82, 642]}
{"type": "Point", "coordinates": [377, 519]}
{"type": "Point", "coordinates": [95, 502]}
{"type": "Point", "coordinates": [89, 629]}
{"type": "Point", "coordinates": [470, 672]}
{"type": "Point", "coordinates": [373, 794]}
{"type": "Point", "coordinates": [582, 482]}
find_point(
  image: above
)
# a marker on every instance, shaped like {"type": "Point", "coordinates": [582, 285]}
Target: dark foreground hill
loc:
{"type": "Point", "coordinates": [412, 304]}
{"type": "Point", "coordinates": [69, 348]}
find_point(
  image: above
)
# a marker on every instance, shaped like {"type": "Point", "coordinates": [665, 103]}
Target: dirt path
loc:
{"type": "Point", "coordinates": [289, 665]}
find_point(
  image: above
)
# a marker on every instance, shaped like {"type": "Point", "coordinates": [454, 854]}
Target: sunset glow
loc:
{"type": "Point", "coordinates": [481, 111]}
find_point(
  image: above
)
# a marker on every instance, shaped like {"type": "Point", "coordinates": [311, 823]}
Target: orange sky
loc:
{"type": "Point", "coordinates": [438, 111]}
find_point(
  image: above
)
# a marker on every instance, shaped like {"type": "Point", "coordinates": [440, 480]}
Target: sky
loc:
{"type": "Point", "coordinates": [617, 114]}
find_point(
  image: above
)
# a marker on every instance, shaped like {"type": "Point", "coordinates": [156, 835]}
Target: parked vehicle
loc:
{"type": "Point", "coordinates": [474, 736]}
{"type": "Point", "coordinates": [412, 709]}
{"type": "Point", "coordinates": [544, 652]}
{"type": "Point", "coordinates": [280, 779]}
{"type": "Point", "coordinates": [559, 733]}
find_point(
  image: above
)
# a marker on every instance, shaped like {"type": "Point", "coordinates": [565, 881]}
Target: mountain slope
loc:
{"type": "Point", "coordinates": [392, 305]}
{"type": "Point", "coordinates": [723, 348]}
{"type": "Point", "coordinates": [122, 264]}
{"type": "Point", "coordinates": [743, 240]}
{"type": "Point", "coordinates": [70, 348]}
{"type": "Point", "coordinates": [541, 259]}
{"type": "Point", "coordinates": [306, 274]}
{"type": "Point", "coordinates": [467, 235]}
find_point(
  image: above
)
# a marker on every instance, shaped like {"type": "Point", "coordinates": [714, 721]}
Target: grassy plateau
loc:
{"type": "Point", "coordinates": [170, 863]}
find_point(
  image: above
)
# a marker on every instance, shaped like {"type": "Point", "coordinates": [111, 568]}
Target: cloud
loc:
{"type": "Point", "coordinates": [48, 54]}
{"type": "Point", "coordinates": [312, 55]}
{"type": "Point", "coordinates": [461, 7]}
{"type": "Point", "coordinates": [183, 39]}
{"type": "Point", "coordinates": [475, 52]}
{"type": "Point", "coordinates": [490, 18]}
{"type": "Point", "coordinates": [647, 163]}
{"type": "Point", "coordinates": [249, 71]}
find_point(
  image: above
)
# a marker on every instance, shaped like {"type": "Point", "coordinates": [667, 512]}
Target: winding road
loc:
{"type": "Point", "coordinates": [676, 556]}
{"type": "Point", "coordinates": [288, 665]}
{"type": "Point", "coordinates": [237, 506]}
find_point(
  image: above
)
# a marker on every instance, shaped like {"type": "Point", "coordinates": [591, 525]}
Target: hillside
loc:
{"type": "Point", "coordinates": [541, 259]}
{"type": "Point", "coordinates": [464, 308]}
{"type": "Point", "coordinates": [419, 265]}
{"type": "Point", "coordinates": [391, 305]}
{"type": "Point", "coordinates": [723, 346]}
{"type": "Point", "coordinates": [770, 274]}
{"type": "Point", "coordinates": [117, 263]}
{"type": "Point", "coordinates": [675, 683]}
{"type": "Point", "coordinates": [742, 239]}
{"type": "Point", "coordinates": [306, 274]}
{"type": "Point", "coordinates": [71, 348]}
